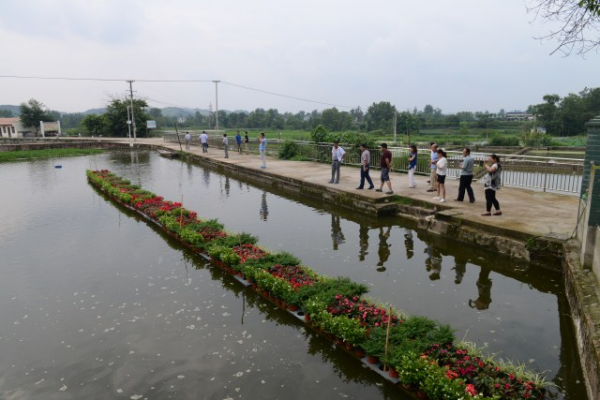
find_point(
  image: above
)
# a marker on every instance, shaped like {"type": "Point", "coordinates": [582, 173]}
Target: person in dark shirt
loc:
{"type": "Point", "coordinates": [386, 166]}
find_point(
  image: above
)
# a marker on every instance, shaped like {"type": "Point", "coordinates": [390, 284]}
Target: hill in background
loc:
{"type": "Point", "coordinates": [15, 109]}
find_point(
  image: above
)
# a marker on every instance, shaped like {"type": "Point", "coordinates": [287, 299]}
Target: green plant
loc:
{"type": "Point", "coordinates": [288, 150]}
{"type": "Point", "coordinates": [224, 254]}
{"type": "Point", "coordinates": [439, 385]}
{"type": "Point", "coordinates": [319, 134]}
{"type": "Point", "coordinates": [327, 288]}
{"type": "Point", "coordinates": [191, 236]}
{"type": "Point", "coordinates": [277, 286]}
{"type": "Point", "coordinates": [412, 369]}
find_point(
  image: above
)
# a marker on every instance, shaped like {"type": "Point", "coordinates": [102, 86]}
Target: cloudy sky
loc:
{"type": "Point", "coordinates": [456, 55]}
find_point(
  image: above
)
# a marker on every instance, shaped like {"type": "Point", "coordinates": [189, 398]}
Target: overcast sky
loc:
{"type": "Point", "coordinates": [457, 55]}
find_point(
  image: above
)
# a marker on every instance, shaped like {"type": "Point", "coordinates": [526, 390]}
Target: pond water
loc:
{"type": "Point", "coordinates": [96, 303]}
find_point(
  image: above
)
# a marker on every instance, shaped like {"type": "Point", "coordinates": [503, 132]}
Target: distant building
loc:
{"type": "Point", "coordinates": [181, 120]}
{"type": "Point", "coordinates": [519, 116]}
{"type": "Point", "coordinates": [13, 128]}
{"type": "Point", "coordinates": [50, 128]}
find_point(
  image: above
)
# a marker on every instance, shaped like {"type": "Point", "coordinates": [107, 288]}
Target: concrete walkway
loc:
{"type": "Point", "coordinates": [529, 212]}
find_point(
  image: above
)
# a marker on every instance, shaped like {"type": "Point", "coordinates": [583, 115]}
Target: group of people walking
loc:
{"type": "Point", "coordinates": [262, 145]}
{"type": "Point", "coordinates": [337, 154]}
{"type": "Point", "coordinates": [438, 172]}
{"type": "Point", "coordinates": [438, 168]}
{"type": "Point", "coordinates": [437, 178]}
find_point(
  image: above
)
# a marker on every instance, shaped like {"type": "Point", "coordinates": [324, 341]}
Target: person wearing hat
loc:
{"type": "Point", "coordinates": [386, 166]}
{"type": "Point", "coordinates": [365, 161]}
{"type": "Point", "coordinates": [337, 156]}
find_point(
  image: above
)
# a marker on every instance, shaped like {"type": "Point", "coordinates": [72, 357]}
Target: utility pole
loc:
{"type": "Point", "coordinates": [132, 113]}
{"type": "Point", "coordinates": [217, 103]}
{"type": "Point", "coordinates": [395, 116]}
{"type": "Point", "coordinates": [128, 123]}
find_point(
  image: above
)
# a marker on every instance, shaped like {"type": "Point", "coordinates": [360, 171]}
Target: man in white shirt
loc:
{"type": "Point", "coordinates": [204, 141]}
{"type": "Point", "coordinates": [188, 140]}
{"type": "Point", "coordinates": [337, 156]}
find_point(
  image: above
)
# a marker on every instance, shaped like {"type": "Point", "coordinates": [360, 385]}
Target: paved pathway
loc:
{"type": "Point", "coordinates": [530, 212]}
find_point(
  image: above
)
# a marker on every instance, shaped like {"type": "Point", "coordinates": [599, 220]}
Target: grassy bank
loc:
{"type": "Point", "coordinates": [20, 155]}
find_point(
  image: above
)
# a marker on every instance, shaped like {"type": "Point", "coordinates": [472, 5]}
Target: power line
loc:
{"type": "Point", "coordinates": [282, 95]}
{"type": "Point", "coordinates": [64, 78]}
{"type": "Point", "coordinates": [175, 81]}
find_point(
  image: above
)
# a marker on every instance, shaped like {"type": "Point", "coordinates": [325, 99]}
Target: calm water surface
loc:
{"type": "Point", "coordinates": [97, 304]}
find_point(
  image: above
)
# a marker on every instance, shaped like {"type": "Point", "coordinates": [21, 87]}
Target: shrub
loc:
{"type": "Point", "coordinates": [288, 150]}
{"type": "Point", "coordinates": [503, 141]}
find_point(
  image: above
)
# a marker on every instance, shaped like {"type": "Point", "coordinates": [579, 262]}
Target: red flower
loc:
{"type": "Point", "coordinates": [469, 388]}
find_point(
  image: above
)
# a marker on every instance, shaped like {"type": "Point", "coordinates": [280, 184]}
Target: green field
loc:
{"type": "Point", "coordinates": [446, 137]}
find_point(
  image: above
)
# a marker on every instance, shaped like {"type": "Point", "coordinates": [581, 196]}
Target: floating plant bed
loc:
{"type": "Point", "coordinates": [418, 354]}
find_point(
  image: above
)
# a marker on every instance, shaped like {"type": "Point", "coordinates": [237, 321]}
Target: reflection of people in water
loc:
{"type": "Point", "coordinates": [484, 287]}
{"type": "Point", "coordinates": [264, 208]}
{"type": "Point", "coordinates": [206, 176]}
{"type": "Point", "coordinates": [336, 232]}
{"type": "Point", "coordinates": [384, 248]}
{"type": "Point", "coordinates": [409, 244]}
{"type": "Point", "coordinates": [363, 239]}
{"type": "Point", "coordinates": [227, 186]}
{"type": "Point", "coordinates": [433, 262]}
{"type": "Point", "coordinates": [460, 267]}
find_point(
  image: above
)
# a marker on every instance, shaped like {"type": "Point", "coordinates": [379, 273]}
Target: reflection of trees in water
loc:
{"type": "Point", "coordinates": [484, 289]}
{"type": "Point", "coordinates": [337, 235]}
{"type": "Point", "coordinates": [433, 262]}
{"type": "Point", "coordinates": [264, 208]}
{"type": "Point", "coordinates": [363, 239]}
{"type": "Point", "coordinates": [384, 248]}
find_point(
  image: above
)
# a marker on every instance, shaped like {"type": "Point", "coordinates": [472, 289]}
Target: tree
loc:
{"type": "Point", "coordinates": [32, 112]}
{"type": "Point", "coordinates": [408, 123]}
{"type": "Point", "coordinates": [71, 120]}
{"type": "Point", "coordinates": [576, 19]}
{"type": "Point", "coordinates": [380, 116]}
{"type": "Point", "coordinates": [330, 118]}
{"type": "Point", "coordinates": [546, 113]}
{"type": "Point", "coordinates": [94, 124]}
{"type": "Point", "coordinates": [115, 118]}
{"type": "Point", "coordinates": [6, 114]}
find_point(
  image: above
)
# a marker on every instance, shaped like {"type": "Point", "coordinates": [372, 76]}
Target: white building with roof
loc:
{"type": "Point", "coordinates": [12, 128]}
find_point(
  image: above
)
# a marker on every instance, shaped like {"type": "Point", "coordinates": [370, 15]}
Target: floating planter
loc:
{"type": "Point", "coordinates": [418, 354]}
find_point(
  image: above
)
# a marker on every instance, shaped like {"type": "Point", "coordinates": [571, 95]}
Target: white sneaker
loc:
{"type": "Point", "coordinates": [436, 198]}
{"type": "Point", "coordinates": [442, 201]}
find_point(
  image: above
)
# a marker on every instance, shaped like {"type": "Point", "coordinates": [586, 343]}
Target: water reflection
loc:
{"type": "Point", "coordinates": [337, 235]}
{"type": "Point", "coordinates": [484, 289]}
{"type": "Point", "coordinates": [384, 248]}
{"type": "Point", "coordinates": [460, 267]}
{"type": "Point", "coordinates": [409, 245]}
{"type": "Point", "coordinates": [433, 262]}
{"type": "Point", "coordinates": [363, 239]}
{"type": "Point", "coordinates": [206, 176]}
{"type": "Point", "coordinates": [264, 208]}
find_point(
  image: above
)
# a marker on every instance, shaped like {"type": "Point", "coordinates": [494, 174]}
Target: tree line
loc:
{"type": "Point", "coordinates": [567, 116]}
{"type": "Point", "coordinates": [559, 116]}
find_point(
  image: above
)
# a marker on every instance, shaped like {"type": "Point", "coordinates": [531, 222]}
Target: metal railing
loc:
{"type": "Point", "coordinates": [530, 172]}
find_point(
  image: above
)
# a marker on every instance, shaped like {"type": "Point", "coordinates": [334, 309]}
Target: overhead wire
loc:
{"type": "Point", "coordinates": [176, 81]}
